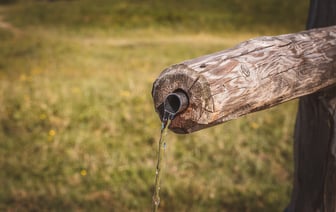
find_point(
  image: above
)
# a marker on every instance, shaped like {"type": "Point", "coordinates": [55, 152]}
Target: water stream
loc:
{"type": "Point", "coordinates": [161, 154]}
{"type": "Point", "coordinates": [174, 103]}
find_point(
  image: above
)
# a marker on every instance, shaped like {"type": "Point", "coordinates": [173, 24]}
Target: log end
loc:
{"type": "Point", "coordinates": [180, 78]}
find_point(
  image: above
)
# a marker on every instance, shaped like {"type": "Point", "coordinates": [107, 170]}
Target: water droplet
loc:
{"type": "Point", "coordinates": [171, 116]}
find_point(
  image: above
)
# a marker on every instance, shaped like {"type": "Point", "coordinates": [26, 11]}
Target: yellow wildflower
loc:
{"type": "Point", "coordinates": [52, 133]}
{"type": "Point", "coordinates": [83, 172]}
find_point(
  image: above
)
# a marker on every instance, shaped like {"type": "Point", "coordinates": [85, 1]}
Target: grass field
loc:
{"type": "Point", "coordinates": [78, 131]}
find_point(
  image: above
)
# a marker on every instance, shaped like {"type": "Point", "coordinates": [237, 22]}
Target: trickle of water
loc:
{"type": "Point", "coordinates": [162, 147]}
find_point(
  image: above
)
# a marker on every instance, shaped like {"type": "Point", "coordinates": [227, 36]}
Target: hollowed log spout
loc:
{"type": "Point", "coordinates": [255, 75]}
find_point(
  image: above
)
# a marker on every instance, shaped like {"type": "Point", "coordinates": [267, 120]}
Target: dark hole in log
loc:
{"type": "Point", "coordinates": [176, 102]}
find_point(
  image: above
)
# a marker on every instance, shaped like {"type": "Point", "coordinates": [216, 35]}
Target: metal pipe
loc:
{"type": "Point", "coordinates": [176, 102]}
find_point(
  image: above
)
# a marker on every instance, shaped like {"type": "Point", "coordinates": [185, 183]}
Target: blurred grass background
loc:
{"type": "Point", "coordinates": [78, 131]}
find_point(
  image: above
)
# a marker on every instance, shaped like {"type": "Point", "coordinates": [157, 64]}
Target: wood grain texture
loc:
{"type": "Point", "coordinates": [254, 75]}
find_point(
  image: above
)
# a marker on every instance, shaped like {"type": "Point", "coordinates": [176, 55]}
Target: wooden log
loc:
{"type": "Point", "coordinates": [254, 75]}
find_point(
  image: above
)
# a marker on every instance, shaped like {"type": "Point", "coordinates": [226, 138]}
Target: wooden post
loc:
{"type": "Point", "coordinates": [314, 186]}
{"type": "Point", "coordinates": [256, 74]}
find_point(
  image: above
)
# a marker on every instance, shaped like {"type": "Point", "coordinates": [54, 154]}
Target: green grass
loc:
{"type": "Point", "coordinates": [78, 129]}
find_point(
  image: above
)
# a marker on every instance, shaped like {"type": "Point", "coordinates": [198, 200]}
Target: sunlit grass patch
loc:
{"type": "Point", "coordinates": [86, 129]}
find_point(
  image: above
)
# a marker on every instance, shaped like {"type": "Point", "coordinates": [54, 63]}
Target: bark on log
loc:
{"type": "Point", "coordinates": [256, 74]}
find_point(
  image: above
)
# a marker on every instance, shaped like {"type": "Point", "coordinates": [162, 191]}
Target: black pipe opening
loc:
{"type": "Point", "coordinates": [176, 102]}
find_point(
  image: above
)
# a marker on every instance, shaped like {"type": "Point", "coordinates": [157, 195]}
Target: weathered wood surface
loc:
{"type": "Point", "coordinates": [256, 74]}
